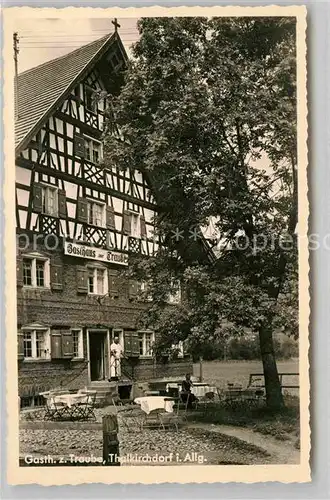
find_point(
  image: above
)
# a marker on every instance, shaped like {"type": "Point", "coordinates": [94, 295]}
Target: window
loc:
{"type": "Point", "coordinates": [146, 341]}
{"type": "Point", "coordinates": [36, 344]}
{"type": "Point", "coordinates": [77, 340]}
{"type": "Point", "coordinates": [174, 296]}
{"type": "Point", "coordinates": [134, 225]}
{"type": "Point", "coordinates": [96, 214]}
{"type": "Point", "coordinates": [178, 348]}
{"type": "Point", "coordinates": [93, 150]}
{"type": "Point", "coordinates": [91, 99]}
{"type": "Point", "coordinates": [97, 281]}
{"type": "Point", "coordinates": [49, 201]}
{"type": "Point", "coordinates": [144, 289]}
{"type": "Point", "coordinates": [36, 272]}
{"type": "Point", "coordinates": [27, 272]}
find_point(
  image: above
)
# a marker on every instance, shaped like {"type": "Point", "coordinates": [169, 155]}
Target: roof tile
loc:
{"type": "Point", "coordinates": [40, 87]}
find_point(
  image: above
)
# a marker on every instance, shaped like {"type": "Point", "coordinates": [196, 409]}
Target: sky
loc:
{"type": "Point", "coordinates": [41, 40]}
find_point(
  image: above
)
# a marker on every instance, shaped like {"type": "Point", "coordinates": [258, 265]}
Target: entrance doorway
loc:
{"type": "Point", "coordinates": [97, 354]}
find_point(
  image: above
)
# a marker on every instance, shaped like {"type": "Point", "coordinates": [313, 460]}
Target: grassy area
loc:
{"type": "Point", "coordinates": [283, 426]}
{"type": "Point", "coordinates": [219, 373]}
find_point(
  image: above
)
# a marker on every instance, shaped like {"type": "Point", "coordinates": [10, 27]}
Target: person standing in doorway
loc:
{"type": "Point", "coordinates": [116, 353]}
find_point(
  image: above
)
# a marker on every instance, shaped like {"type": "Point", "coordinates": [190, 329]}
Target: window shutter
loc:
{"type": "Point", "coordinates": [135, 345]}
{"type": "Point", "coordinates": [126, 222]}
{"type": "Point", "coordinates": [37, 198]}
{"type": "Point", "coordinates": [82, 280]}
{"type": "Point", "coordinates": [127, 344]}
{"type": "Point", "coordinates": [143, 227]}
{"type": "Point", "coordinates": [62, 203]}
{"type": "Point", "coordinates": [82, 210]}
{"type": "Point", "coordinates": [19, 271]}
{"type": "Point", "coordinates": [56, 344]}
{"type": "Point", "coordinates": [133, 289]}
{"type": "Point", "coordinates": [113, 282]}
{"type": "Point", "coordinates": [56, 276]}
{"type": "Point", "coordinates": [110, 218]}
{"type": "Point", "coordinates": [67, 345]}
{"type": "Point", "coordinates": [79, 145]}
{"type": "Point", "coordinates": [20, 346]}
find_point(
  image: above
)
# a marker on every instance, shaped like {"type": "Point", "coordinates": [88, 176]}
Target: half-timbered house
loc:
{"type": "Point", "coordinates": [77, 222]}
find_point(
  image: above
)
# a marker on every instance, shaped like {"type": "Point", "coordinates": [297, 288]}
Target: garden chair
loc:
{"type": "Point", "coordinates": [209, 399]}
{"type": "Point", "coordinates": [151, 420]}
{"type": "Point", "coordinates": [167, 419]}
{"type": "Point", "coordinates": [85, 409]}
{"type": "Point", "coordinates": [132, 418]}
{"type": "Point", "coordinates": [50, 408]}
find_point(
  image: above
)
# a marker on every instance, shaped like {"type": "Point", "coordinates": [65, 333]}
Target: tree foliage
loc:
{"type": "Point", "coordinates": [208, 113]}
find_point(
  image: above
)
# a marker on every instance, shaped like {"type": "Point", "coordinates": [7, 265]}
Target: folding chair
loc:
{"type": "Point", "coordinates": [209, 399]}
{"type": "Point", "coordinates": [61, 409]}
{"type": "Point", "coordinates": [132, 418]}
{"type": "Point", "coordinates": [85, 409]}
{"type": "Point", "coordinates": [50, 408]}
{"type": "Point", "coordinates": [168, 419]}
{"type": "Point", "coordinates": [151, 420]}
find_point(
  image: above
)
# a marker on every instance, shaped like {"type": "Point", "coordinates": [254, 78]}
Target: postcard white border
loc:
{"type": "Point", "coordinates": [174, 474]}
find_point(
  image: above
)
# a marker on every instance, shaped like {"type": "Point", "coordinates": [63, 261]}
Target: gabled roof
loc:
{"type": "Point", "coordinates": [41, 89]}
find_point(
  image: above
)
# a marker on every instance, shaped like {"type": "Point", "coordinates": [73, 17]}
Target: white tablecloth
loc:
{"type": "Point", "coordinates": [150, 403]}
{"type": "Point", "coordinates": [70, 399]}
{"type": "Point", "coordinates": [200, 390]}
{"type": "Point", "coordinates": [173, 385]}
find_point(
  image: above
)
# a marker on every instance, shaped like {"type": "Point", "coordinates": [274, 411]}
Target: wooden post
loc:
{"type": "Point", "coordinates": [201, 368]}
{"type": "Point", "coordinates": [110, 440]}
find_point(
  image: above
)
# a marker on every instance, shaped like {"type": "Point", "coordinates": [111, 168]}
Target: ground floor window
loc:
{"type": "Point", "coordinates": [77, 341]}
{"type": "Point", "coordinates": [36, 344]}
{"type": "Point", "coordinates": [146, 342]}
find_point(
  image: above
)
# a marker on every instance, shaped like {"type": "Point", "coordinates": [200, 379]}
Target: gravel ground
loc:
{"type": "Point", "coordinates": [189, 446]}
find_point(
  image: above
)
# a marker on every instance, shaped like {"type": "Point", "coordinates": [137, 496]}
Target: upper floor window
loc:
{"type": "Point", "coordinates": [174, 297]}
{"type": "Point", "coordinates": [146, 341]}
{"type": "Point", "coordinates": [50, 200]}
{"type": "Point", "coordinates": [97, 281]}
{"type": "Point", "coordinates": [90, 99]}
{"type": "Point", "coordinates": [96, 213]}
{"type": "Point", "coordinates": [36, 344]}
{"type": "Point", "coordinates": [36, 272]}
{"type": "Point", "coordinates": [93, 150]}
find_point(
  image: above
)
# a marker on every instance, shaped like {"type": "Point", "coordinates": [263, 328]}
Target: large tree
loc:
{"type": "Point", "coordinates": [208, 113]}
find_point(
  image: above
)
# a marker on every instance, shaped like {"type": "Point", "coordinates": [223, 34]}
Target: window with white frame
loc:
{"type": "Point", "coordinates": [135, 225]}
{"type": "Point", "coordinates": [146, 342]}
{"type": "Point", "coordinates": [36, 343]}
{"type": "Point", "coordinates": [97, 281]}
{"type": "Point", "coordinates": [178, 348]}
{"type": "Point", "coordinates": [50, 200]}
{"type": "Point", "coordinates": [145, 286]}
{"type": "Point", "coordinates": [90, 99]}
{"type": "Point", "coordinates": [36, 272]}
{"type": "Point", "coordinates": [77, 342]}
{"type": "Point", "coordinates": [93, 150]}
{"type": "Point", "coordinates": [174, 297]}
{"type": "Point", "coordinates": [96, 213]}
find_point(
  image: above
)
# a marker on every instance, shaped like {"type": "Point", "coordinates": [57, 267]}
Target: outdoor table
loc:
{"type": "Point", "coordinates": [150, 403]}
{"type": "Point", "coordinates": [70, 399]}
{"type": "Point", "coordinates": [199, 390]}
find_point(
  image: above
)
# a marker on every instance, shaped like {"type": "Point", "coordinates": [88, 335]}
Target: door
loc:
{"type": "Point", "coordinates": [97, 342]}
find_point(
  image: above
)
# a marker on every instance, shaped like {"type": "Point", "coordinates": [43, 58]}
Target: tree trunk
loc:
{"type": "Point", "coordinates": [274, 397]}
